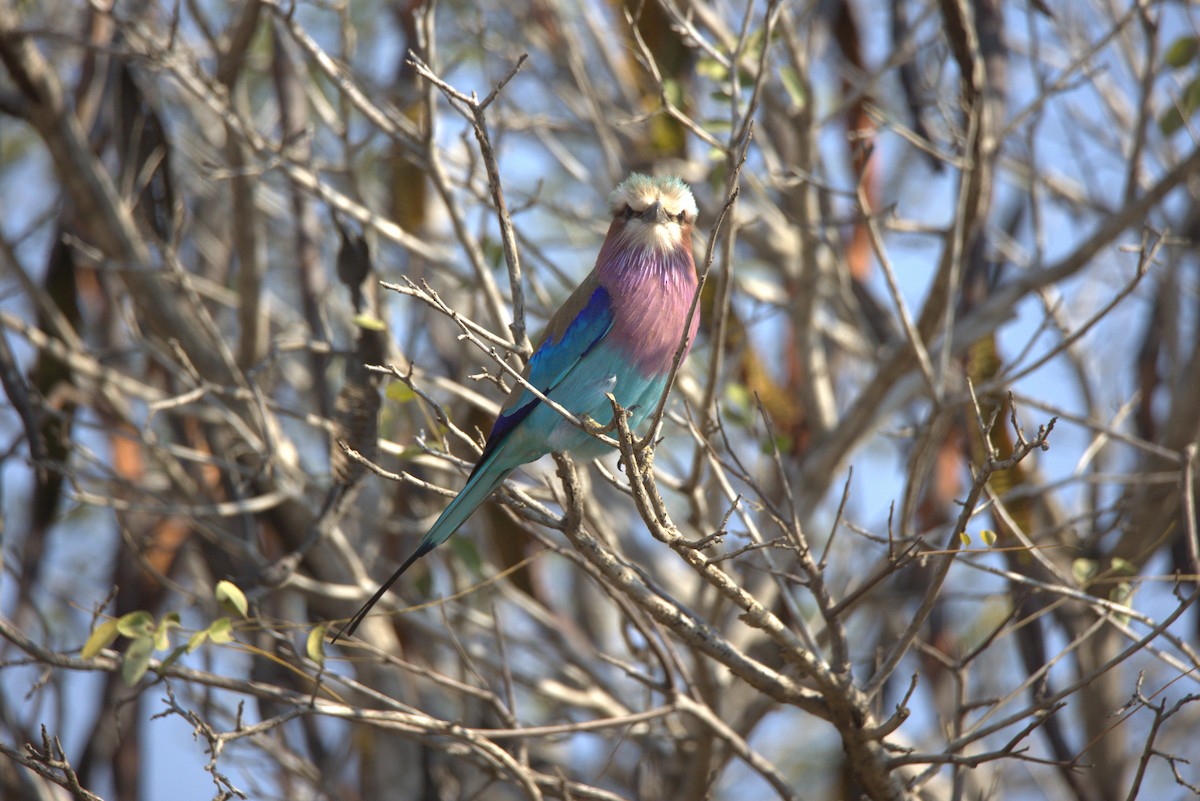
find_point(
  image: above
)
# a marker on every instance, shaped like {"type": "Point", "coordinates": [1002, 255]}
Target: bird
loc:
{"type": "Point", "coordinates": [617, 334]}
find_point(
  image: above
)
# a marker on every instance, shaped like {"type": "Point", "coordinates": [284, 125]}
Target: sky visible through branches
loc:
{"type": "Point", "coordinates": [910, 254]}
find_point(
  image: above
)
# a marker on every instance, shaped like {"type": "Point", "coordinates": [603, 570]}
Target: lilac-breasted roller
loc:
{"type": "Point", "coordinates": [617, 333]}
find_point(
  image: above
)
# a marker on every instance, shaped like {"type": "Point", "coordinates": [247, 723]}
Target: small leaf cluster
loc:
{"type": "Point", "coordinates": [986, 536]}
{"type": "Point", "coordinates": [1183, 53]}
{"type": "Point", "coordinates": [147, 636]}
{"type": "Point", "coordinates": [1087, 572]}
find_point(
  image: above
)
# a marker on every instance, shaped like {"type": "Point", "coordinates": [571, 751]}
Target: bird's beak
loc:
{"type": "Point", "coordinates": [654, 214]}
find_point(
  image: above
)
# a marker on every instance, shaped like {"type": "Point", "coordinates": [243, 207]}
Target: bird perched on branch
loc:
{"type": "Point", "coordinates": [617, 333]}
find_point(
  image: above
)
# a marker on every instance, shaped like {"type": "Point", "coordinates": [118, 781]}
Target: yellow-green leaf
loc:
{"type": "Point", "coordinates": [1123, 566]}
{"type": "Point", "coordinates": [101, 637]}
{"type": "Point", "coordinates": [136, 624]}
{"type": "Point", "coordinates": [673, 89]}
{"type": "Point", "coordinates": [1120, 592]}
{"type": "Point", "coordinates": [315, 647]}
{"type": "Point", "coordinates": [988, 536]}
{"type": "Point", "coordinates": [221, 631]}
{"type": "Point", "coordinates": [173, 657]}
{"type": "Point", "coordinates": [712, 69]}
{"type": "Point", "coordinates": [793, 86]}
{"type": "Point", "coordinates": [965, 539]}
{"type": "Point", "coordinates": [739, 403]}
{"type": "Point", "coordinates": [1083, 569]}
{"type": "Point", "coordinates": [399, 392]}
{"type": "Point", "coordinates": [196, 640]}
{"type": "Point", "coordinates": [369, 322]}
{"type": "Point", "coordinates": [137, 659]}
{"type": "Point", "coordinates": [232, 598]}
{"type": "Point", "coordinates": [162, 634]}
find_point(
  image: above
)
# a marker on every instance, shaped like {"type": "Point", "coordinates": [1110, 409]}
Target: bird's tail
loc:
{"type": "Point", "coordinates": [483, 481]}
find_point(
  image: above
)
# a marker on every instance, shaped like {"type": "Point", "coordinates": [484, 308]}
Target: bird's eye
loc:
{"type": "Point", "coordinates": [678, 217]}
{"type": "Point", "coordinates": [628, 213]}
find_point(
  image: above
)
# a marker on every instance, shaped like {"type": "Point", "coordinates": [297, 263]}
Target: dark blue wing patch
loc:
{"type": "Point", "coordinates": [552, 361]}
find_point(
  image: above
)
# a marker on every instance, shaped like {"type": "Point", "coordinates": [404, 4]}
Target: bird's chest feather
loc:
{"type": "Point", "coordinates": [650, 309]}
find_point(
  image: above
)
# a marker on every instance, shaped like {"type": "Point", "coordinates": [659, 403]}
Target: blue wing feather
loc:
{"type": "Point", "coordinates": [551, 362]}
{"type": "Point", "coordinates": [554, 361]}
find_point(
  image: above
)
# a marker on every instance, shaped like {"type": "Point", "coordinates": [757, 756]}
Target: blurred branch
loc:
{"type": "Point", "coordinates": [475, 111]}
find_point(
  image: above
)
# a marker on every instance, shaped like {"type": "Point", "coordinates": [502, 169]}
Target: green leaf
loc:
{"type": "Point", "coordinates": [315, 647]}
{"type": "Point", "coordinates": [988, 536]}
{"type": "Point", "coordinates": [712, 69]}
{"type": "Point", "coordinates": [793, 86]}
{"type": "Point", "coordinates": [196, 640]}
{"type": "Point", "coordinates": [467, 554]}
{"type": "Point", "coordinates": [493, 251]}
{"type": "Point", "coordinates": [230, 597]}
{"type": "Point", "coordinates": [370, 322]}
{"type": "Point", "coordinates": [965, 539]}
{"type": "Point", "coordinates": [780, 442]}
{"type": "Point", "coordinates": [1171, 121]}
{"type": "Point", "coordinates": [137, 659]}
{"type": "Point", "coordinates": [1123, 567]}
{"type": "Point", "coordinates": [674, 91]}
{"type": "Point", "coordinates": [716, 125]}
{"type": "Point", "coordinates": [399, 392]}
{"type": "Point", "coordinates": [136, 624]}
{"type": "Point", "coordinates": [101, 637]}
{"type": "Point", "coordinates": [1191, 97]}
{"type": "Point", "coordinates": [162, 634]}
{"type": "Point", "coordinates": [739, 403]}
{"type": "Point", "coordinates": [1120, 594]}
{"type": "Point", "coordinates": [1083, 570]}
{"type": "Point", "coordinates": [221, 631]}
{"type": "Point", "coordinates": [173, 657]}
{"type": "Point", "coordinates": [1182, 51]}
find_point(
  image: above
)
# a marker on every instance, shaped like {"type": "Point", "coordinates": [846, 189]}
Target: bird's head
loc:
{"type": "Point", "coordinates": [653, 213]}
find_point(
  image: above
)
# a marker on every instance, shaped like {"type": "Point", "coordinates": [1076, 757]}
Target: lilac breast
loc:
{"type": "Point", "coordinates": [651, 293]}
